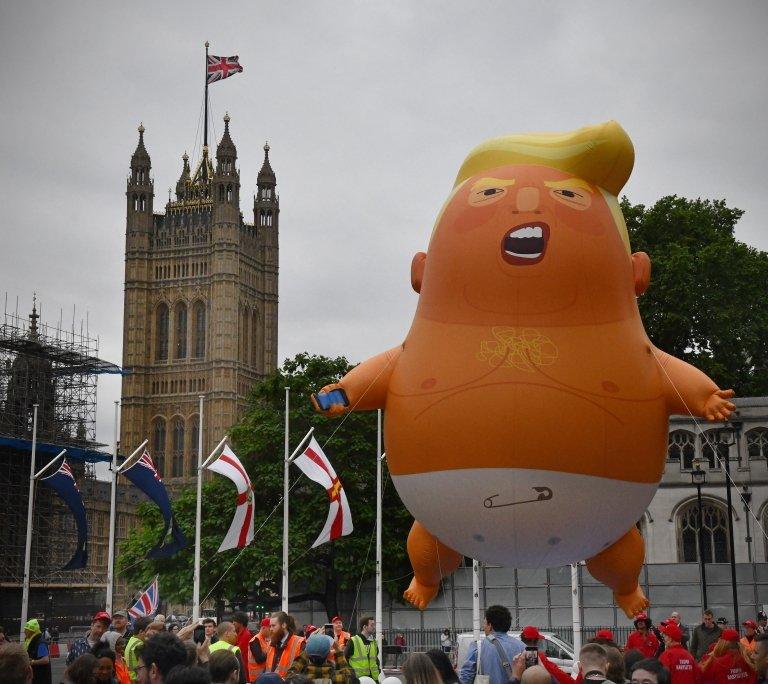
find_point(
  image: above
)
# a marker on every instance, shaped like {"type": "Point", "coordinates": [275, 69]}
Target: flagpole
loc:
{"type": "Point", "coordinates": [379, 458]}
{"type": "Point", "coordinates": [476, 599]}
{"type": "Point", "coordinates": [575, 608]}
{"type": "Point", "coordinates": [112, 517]}
{"type": "Point", "coordinates": [205, 127]}
{"type": "Point", "coordinates": [286, 470]}
{"type": "Point", "coordinates": [198, 510]}
{"type": "Point", "coordinates": [28, 542]}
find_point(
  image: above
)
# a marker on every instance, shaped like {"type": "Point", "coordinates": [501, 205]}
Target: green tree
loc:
{"type": "Point", "coordinates": [258, 440]}
{"type": "Point", "coordinates": [707, 300]}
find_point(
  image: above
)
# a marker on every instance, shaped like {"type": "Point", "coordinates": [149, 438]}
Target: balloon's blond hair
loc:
{"type": "Point", "coordinates": [602, 155]}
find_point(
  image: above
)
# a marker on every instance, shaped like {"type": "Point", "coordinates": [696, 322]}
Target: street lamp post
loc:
{"type": "Point", "coordinates": [746, 498]}
{"type": "Point", "coordinates": [728, 437]}
{"type": "Point", "coordinates": [699, 477]}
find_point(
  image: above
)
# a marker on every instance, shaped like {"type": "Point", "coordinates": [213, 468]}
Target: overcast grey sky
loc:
{"type": "Point", "coordinates": [370, 108]}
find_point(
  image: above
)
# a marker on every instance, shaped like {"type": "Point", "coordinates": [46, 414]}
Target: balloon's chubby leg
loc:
{"type": "Point", "coordinates": [688, 390]}
{"type": "Point", "coordinates": [618, 568]}
{"type": "Point", "coordinates": [431, 560]}
{"type": "Point", "coordinates": [364, 388]}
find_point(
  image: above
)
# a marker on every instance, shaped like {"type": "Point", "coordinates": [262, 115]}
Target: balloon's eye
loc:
{"type": "Point", "coordinates": [491, 191]}
{"type": "Point", "coordinates": [568, 193]}
{"type": "Point", "coordinates": [482, 196]}
{"type": "Point", "coordinates": [575, 199]}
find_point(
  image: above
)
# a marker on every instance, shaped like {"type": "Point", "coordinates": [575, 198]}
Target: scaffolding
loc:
{"type": "Point", "coordinates": [56, 369]}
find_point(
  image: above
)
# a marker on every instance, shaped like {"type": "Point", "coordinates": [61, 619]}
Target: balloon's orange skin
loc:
{"type": "Point", "coordinates": [529, 363]}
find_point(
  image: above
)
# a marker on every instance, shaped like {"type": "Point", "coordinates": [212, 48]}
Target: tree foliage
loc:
{"type": "Point", "coordinates": [706, 302]}
{"type": "Point", "coordinates": [258, 441]}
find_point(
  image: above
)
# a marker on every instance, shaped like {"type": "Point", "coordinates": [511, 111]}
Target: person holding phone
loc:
{"type": "Point", "coordinates": [532, 638]}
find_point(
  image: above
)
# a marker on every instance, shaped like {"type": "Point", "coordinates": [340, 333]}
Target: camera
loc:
{"type": "Point", "coordinates": [531, 656]}
{"type": "Point", "coordinates": [328, 629]}
{"type": "Point", "coordinates": [198, 635]}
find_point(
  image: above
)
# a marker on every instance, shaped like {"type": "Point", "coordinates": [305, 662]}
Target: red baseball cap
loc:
{"type": "Point", "coordinates": [264, 622]}
{"type": "Point", "coordinates": [606, 634]}
{"type": "Point", "coordinates": [102, 616]}
{"type": "Point", "coordinates": [672, 630]}
{"type": "Point", "coordinates": [337, 619]}
{"type": "Point", "coordinates": [750, 623]}
{"type": "Point", "coordinates": [531, 633]}
{"type": "Point", "coordinates": [730, 635]}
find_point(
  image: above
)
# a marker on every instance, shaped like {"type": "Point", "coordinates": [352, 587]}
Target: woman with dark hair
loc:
{"type": "Point", "coordinates": [105, 663]}
{"type": "Point", "coordinates": [82, 670]}
{"type": "Point", "coordinates": [419, 669]}
{"type": "Point", "coordinates": [443, 665]}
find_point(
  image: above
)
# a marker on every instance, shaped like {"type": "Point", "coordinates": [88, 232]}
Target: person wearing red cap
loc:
{"type": "Point", "coordinates": [99, 625]}
{"type": "Point", "coordinates": [643, 639]}
{"type": "Point", "coordinates": [258, 649]}
{"type": "Point", "coordinates": [729, 663]}
{"type": "Point", "coordinates": [750, 629]}
{"type": "Point", "coordinates": [340, 636]}
{"type": "Point", "coordinates": [531, 637]}
{"type": "Point", "coordinates": [683, 668]}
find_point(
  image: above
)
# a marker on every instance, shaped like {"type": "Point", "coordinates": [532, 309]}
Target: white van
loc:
{"type": "Point", "coordinates": [557, 651]}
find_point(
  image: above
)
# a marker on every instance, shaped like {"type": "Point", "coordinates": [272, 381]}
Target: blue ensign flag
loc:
{"type": "Point", "coordinates": [145, 476]}
{"type": "Point", "coordinates": [64, 484]}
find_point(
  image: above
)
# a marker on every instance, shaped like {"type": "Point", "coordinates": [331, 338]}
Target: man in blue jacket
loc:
{"type": "Point", "coordinates": [497, 622]}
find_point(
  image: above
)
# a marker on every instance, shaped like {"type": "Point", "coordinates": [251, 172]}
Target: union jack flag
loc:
{"type": "Point", "coordinates": [220, 68]}
{"type": "Point", "coordinates": [146, 462]}
{"type": "Point", "coordinates": [147, 603]}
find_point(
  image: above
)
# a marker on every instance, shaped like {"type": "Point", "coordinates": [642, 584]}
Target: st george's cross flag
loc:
{"type": "Point", "coordinates": [316, 466]}
{"type": "Point", "coordinates": [64, 484]}
{"type": "Point", "coordinates": [240, 532]}
{"type": "Point", "coordinates": [147, 603]}
{"type": "Point", "coordinates": [220, 68]}
{"type": "Point", "coordinates": [145, 476]}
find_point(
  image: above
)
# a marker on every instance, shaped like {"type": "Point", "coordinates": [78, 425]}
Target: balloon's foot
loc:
{"type": "Point", "coordinates": [632, 603]}
{"type": "Point", "coordinates": [419, 595]}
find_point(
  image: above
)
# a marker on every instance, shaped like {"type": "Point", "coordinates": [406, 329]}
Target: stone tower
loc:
{"type": "Point", "coordinates": [200, 311]}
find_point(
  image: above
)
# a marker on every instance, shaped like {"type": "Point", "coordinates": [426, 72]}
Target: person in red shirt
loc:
{"type": "Point", "coordinates": [240, 621]}
{"type": "Point", "coordinates": [531, 636]}
{"type": "Point", "coordinates": [643, 639]}
{"type": "Point", "coordinates": [682, 666]}
{"type": "Point", "coordinates": [729, 662]}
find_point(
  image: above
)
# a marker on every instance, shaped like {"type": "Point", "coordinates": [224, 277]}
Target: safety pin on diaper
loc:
{"type": "Point", "coordinates": [544, 494]}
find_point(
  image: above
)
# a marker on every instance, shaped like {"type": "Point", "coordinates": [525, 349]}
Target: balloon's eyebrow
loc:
{"type": "Point", "coordinates": [569, 183]}
{"type": "Point", "coordinates": [492, 183]}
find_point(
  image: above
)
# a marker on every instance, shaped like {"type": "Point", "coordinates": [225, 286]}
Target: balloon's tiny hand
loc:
{"type": "Point", "coordinates": [331, 400]}
{"type": "Point", "coordinates": [718, 407]}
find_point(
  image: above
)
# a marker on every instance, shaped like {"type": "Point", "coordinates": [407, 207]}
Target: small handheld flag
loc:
{"type": "Point", "coordinates": [147, 603]}
{"type": "Point", "coordinates": [220, 68]}
{"type": "Point", "coordinates": [145, 476]}
{"type": "Point", "coordinates": [64, 484]}
{"type": "Point", "coordinates": [240, 532]}
{"type": "Point", "coordinates": [316, 466]}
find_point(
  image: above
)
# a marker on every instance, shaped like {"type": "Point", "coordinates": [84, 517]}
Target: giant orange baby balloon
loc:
{"type": "Point", "coordinates": [527, 411]}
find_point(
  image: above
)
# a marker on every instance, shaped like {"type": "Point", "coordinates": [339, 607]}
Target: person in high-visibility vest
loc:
{"type": "Point", "coordinates": [227, 640]}
{"type": "Point", "coordinates": [258, 649]}
{"type": "Point", "coordinates": [339, 635]}
{"type": "Point", "coordinates": [362, 651]}
{"type": "Point", "coordinates": [285, 645]}
{"type": "Point", "coordinates": [141, 632]}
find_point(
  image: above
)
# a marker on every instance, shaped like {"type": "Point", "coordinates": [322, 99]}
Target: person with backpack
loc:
{"type": "Point", "coordinates": [497, 649]}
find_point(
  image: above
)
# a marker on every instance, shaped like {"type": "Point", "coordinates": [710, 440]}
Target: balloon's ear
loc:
{"type": "Point", "coordinates": [417, 270]}
{"type": "Point", "coordinates": [641, 269]}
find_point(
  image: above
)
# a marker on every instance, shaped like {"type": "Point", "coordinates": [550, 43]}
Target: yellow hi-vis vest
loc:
{"type": "Point", "coordinates": [363, 660]}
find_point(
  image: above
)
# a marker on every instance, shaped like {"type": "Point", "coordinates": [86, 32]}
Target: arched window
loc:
{"type": "Point", "coordinates": [255, 337]}
{"type": "Point", "coordinates": [161, 333]}
{"type": "Point", "coordinates": [194, 429]}
{"type": "Point", "coordinates": [710, 445]}
{"type": "Point", "coordinates": [158, 445]}
{"type": "Point", "coordinates": [715, 532]}
{"type": "Point", "coordinates": [135, 202]}
{"type": "Point", "coordinates": [178, 447]}
{"type": "Point", "coordinates": [269, 217]}
{"type": "Point", "coordinates": [180, 332]}
{"type": "Point", "coordinates": [757, 443]}
{"type": "Point", "coordinates": [246, 338]}
{"type": "Point", "coordinates": [198, 314]}
{"type": "Point", "coordinates": [142, 203]}
{"type": "Point", "coordinates": [229, 193]}
{"type": "Point", "coordinates": [682, 448]}
{"type": "Point", "coordinates": [221, 192]}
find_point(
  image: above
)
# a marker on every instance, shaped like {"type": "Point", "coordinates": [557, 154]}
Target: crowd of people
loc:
{"type": "Point", "coordinates": [149, 651]}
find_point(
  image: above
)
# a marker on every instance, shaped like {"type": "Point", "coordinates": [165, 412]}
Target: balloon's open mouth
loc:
{"type": "Point", "coordinates": [525, 244]}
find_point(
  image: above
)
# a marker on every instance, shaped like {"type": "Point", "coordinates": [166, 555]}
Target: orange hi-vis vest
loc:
{"type": "Point", "coordinates": [254, 668]}
{"type": "Point", "coordinates": [341, 639]}
{"type": "Point", "coordinates": [292, 647]}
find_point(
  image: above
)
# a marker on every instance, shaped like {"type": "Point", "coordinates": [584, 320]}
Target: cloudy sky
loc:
{"type": "Point", "coordinates": [369, 108]}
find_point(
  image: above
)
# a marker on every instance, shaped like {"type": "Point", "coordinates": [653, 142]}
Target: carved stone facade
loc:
{"type": "Point", "coordinates": [200, 313]}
